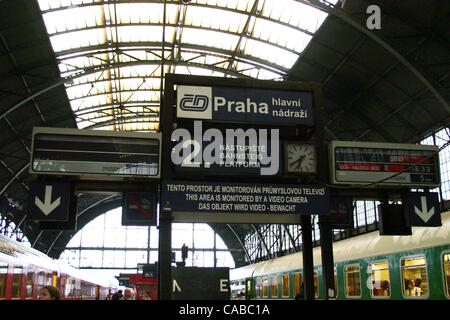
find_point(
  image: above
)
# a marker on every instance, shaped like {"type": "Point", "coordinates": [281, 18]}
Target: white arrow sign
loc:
{"type": "Point", "coordinates": [48, 206]}
{"type": "Point", "coordinates": [425, 214]}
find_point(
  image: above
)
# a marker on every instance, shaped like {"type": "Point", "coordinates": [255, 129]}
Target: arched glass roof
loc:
{"type": "Point", "coordinates": [116, 53]}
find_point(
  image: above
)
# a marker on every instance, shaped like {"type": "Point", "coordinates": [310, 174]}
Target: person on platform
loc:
{"type": "Point", "coordinates": [117, 296]}
{"type": "Point", "coordinates": [128, 295]}
{"type": "Point", "coordinates": [49, 293]}
{"type": "Point", "coordinates": [301, 294]}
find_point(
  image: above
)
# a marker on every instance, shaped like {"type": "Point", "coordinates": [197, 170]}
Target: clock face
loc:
{"type": "Point", "coordinates": [300, 158]}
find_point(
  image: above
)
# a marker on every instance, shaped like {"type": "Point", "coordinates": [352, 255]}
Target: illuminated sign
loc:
{"type": "Point", "coordinates": [359, 163]}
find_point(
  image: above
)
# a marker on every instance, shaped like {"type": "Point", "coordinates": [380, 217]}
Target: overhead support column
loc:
{"type": "Point", "coordinates": [164, 255]}
{"type": "Point", "coordinates": [308, 264]}
{"type": "Point", "coordinates": [326, 246]}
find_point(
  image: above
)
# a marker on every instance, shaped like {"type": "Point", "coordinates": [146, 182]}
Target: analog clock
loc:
{"type": "Point", "coordinates": [300, 157]}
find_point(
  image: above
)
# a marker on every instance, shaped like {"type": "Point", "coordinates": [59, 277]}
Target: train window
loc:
{"type": "Point", "coordinates": [274, 282]}
{"type": "Point", "coordinates": [380, 281]}
{"type": "Point", "coordinates": [62, 289]}
{"type": "Point", "coordinates": [17, 282]}
{"type": "Point", "coordinates": [40, 281]}
{"type": "Point", "coordinates": [265, 283]}
{"type": "Point", "coordinates": [446, 266]}
{"type": "Point", "coordinates": [258, 287]}
{"type": "Point", "coordinates": [414, 277]}
{"type": "Point", "coordinates": [233, 289]}
{"type": "Point", "coordinates": [297, 283]}
{"type": "Point", "coordinates": [352, 278]}
{"type": "Point", "coordinates": [68, 292]}
{"type": "Point", "coordinates": [30, 282]}
{"type": "Point", "coordinates": [335, 283]}
{"type": "Point", "coordinates": [316, 284]}
{"type": "Point", "coordinates": [3, 274]}
{"type": "Point", "coordinates": [48, 279]}
{"type": "Point", "coordinates": [285, 286]}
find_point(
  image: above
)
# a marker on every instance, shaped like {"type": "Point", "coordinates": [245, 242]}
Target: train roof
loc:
{"type": "Point", "coordinates": [355, 248]}
{"type": "Point", "coordinates": [21, 254]}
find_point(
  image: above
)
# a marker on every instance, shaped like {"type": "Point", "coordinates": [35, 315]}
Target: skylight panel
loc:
{"type": "Point", "coordinates": [71, 19]}
{"type": "Point", "coordinates": [294, 13]}
{"type": "Point", "coordinates": [243, 5]}
{"type": "Point", "coordinates": [138, 12]}
{"type": "Point", "coordinates": [281, 35]}
{"type": "Point", "coordinates": [77, 39]}
{"type": "Point", "coordinates": [54, 4]}
{"type": "Point", "coordinates": [215, 19]}
{"type": "Point", "coordinates": [276, 55]}
{"type": "Point", "coordinates": [140, 33]}
{"type": "Point", "coordinates": [79, 91]}
{"type": "Point", "coordinates": [210, 38]}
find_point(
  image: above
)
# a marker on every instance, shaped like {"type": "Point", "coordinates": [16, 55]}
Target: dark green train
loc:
{"type": "Point", "coordinates": [369, 266]}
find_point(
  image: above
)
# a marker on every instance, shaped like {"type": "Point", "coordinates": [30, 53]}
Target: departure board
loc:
{"type": "Point", "coordinates": [93, 153]}
{"type": "Point", "coordinates": [359, 163]}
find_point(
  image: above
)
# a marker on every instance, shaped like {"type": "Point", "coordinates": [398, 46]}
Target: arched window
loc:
{"type": "Point", "coordinates": [104, 244]}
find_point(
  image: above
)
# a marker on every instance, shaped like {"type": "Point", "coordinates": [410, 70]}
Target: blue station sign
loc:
{"type": "Point", "coordinates": [245, 105]}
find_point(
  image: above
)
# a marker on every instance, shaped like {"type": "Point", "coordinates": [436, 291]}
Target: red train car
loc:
{"type": "Point", "coordinates": [24, 271]}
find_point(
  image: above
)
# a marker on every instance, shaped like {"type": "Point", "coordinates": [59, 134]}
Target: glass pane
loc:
{"type": "Point", "coordinates": [274, 281]}
{"type": "Point", "coordinates": [258, 287]}
{"type": "Point", "coordinates": [414, 277]}
{"type": "Point", "coordinates": [17, 282]}
{"type": "Point", "coordinates": [446, 265]}
{"type": "Point", "coordinates": [40, 282]}
{"type": "Point", "coordinates": [3, 273]}
{"type": "Point", "coordinates": [265, 283]}
{"type": "Point", "coordinates": [316, 284]}
{"type": "Point", "coordinates": [379, 275]}
{"type": "Point", "coordinates": [352, 281]}
{"type": "Point", "coordinates": [285, 285]}
{"type": "Point", "coordinates": [30, 283]}
{"type": "Point", "coordinates": [297, 283]}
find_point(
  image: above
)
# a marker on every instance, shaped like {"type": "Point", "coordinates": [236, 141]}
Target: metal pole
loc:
{"type": "Point", "coordinates": [164, 259]}
{"type": "Point", "coordinates": [308, 265]}
{"type": "Point", "coordinates": [326, 246]}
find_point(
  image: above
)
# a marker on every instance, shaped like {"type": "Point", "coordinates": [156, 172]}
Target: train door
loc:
{"type": "Point", "coordinates": [30, 289]}
{"type": "Point", "coordinates": [17, 282]}
{"type": "Point", "coordinates": [249, 284]}
{"type": "Point", "coordinates": [3, 279]}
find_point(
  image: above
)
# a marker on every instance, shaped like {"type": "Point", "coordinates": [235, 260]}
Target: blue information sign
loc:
{"type": "Point", "coordinates": [245, 105]}
{"type": "Point", "coordinates": [49, 200]}
{"type": "Point", "coordinates": [244, 198]}
{"type": "Point", "coordinates": [424, 209]}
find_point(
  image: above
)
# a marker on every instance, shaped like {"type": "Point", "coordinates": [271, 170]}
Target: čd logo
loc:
{"type": "Point", "coordinates": [194, 102]}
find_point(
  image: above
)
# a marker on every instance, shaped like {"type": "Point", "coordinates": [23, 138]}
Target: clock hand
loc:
{"type": "Point", "coordinates": [294, 162]}
{"type": "Point", "coordinates": [300, 161]}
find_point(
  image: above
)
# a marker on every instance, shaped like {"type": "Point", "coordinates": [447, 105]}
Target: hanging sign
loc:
{"type": "Point", "coordinates": [245, 105]}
